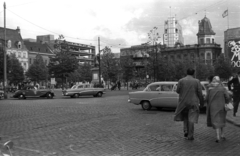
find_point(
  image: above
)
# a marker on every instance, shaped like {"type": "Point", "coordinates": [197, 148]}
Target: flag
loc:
{"type": "Point", "coordinates": [225, 13]}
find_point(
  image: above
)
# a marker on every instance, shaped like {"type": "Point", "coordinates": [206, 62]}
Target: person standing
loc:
{"type": "Point", "coordinates": [216, 99]}
{"type": "Point", "coordinates": [190, 96]}
{"type": "Point", "coordinates": [119, 85]}
{"type": "Point", "coordinates": [236, 92]}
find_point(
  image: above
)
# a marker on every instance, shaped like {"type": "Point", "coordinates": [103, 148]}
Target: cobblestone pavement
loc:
{"type": "Point", "coordinates": [107, 126]}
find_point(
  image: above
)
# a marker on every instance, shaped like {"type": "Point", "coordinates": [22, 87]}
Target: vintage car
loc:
{"type": "Point", "coordinates": [1, 94]}
{"type": "Point", "coordinates": [31, 91]}
{"type": "Point", "coordinates": [159, 95]}
{"type": "Point", "coordinates": [84, 90]}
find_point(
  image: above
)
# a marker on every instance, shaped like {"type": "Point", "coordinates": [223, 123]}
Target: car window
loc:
{"type": "Point", "coordinates": [80, 86]}
{"type": "Point", "coordinates": [87, 86]}
{"type": "Point", "coordinates": [154, 88]}
{"type": "Point", "coordinates": [175, 88]}
{"type": "Point", "coordinates": [167, 87]}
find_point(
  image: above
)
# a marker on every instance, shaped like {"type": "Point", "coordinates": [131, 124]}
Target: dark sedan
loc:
{"type": "Point", "coordinates": [31, 92]}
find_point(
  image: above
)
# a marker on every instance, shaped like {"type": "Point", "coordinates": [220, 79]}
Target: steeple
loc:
{"type": "Point", "coordinates": [205, 33]}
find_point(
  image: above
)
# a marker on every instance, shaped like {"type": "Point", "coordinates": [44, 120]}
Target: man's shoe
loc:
{"type": "Point", "coordinates": [185, 135]}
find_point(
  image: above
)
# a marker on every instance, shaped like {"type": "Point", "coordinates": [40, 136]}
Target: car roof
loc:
{"type": "Point", "coordinates": [165, 82]}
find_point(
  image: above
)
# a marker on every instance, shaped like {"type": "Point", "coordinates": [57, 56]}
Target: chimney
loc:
{"type": "Point", "coordinates": [18, 29]}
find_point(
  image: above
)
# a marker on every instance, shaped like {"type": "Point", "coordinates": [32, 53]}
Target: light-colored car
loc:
{"type": "Point", "coordinates": [32, 92]}
{"type": "Point", "coordinates": [84, 90]}
{"type": "Point", "coordinates": [159, 95]}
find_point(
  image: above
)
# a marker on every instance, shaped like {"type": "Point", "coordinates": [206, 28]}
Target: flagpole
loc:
{"type": "Point", "coordinates": [227, 15]}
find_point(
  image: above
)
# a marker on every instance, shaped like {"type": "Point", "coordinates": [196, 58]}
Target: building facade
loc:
{"type": "Point", "coordinates": [83, 52]}
{"type": "Point", "coordinates": [172, 33]}
{"type": "Point", "coordinates": [206, 51]}
{"type": "Point", "coordinates": [35, 49]}
{"type": "Point", "coordinates": [232, 45]}
{"type": "Point", "coordinates": [15, 45]}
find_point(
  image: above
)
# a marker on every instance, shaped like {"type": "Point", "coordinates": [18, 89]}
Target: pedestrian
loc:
{"type": "Point", "coordinates": [235, 82]}
{"type": "Point", "coordinates": [190, 96]}
{"type": "Point", "coordinates": [216, 99]}
{"type": "Point", "coordinates": [119, 85]}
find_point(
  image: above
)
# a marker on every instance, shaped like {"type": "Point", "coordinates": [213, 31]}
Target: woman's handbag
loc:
{"type": "Point", "coordinates": [228, 106]}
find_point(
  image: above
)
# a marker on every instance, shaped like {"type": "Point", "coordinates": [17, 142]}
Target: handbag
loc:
{"type": "Point", "coordinates": [228, 106]}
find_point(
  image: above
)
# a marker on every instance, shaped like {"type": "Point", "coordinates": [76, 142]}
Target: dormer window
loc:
{"type": "Point", "coordinates": [19, 45]}
{"type": "Point", "coordinates": [9, 43]}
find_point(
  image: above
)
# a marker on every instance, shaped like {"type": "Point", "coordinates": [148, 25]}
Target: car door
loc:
{"type": "Point", "coordinates": [87, 90]}
{"type": "Point", "coordinates": [80, 89]}
{"type": "Point", "coordinates": [30, 92]}
{"type": "Point", "coordinates": [167, 97]}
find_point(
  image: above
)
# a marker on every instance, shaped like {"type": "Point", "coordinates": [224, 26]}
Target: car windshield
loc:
{"type": "Point", "coordinates": [73, 87]}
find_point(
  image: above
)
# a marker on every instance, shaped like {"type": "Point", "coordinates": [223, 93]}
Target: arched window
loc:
{"type": "Point", "coordinates": [19, 45]}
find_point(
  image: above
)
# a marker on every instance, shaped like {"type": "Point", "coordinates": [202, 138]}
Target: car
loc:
{"type": "Point", "coordinates": [159, 95]}
{"type": "Point", "coordinates": [31, 91]}
{"type": "Point", "coordinates": [84, 90]}
{"type": "Point", "coordinates": [1, 94]}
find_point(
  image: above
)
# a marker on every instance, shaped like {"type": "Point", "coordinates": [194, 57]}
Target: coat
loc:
{"type": "Point", "coordinates": [190, 96]}
{"type": "Point", "coordinates": [216, 99]}
{"type": "Point", "coordinates": [236, 86]}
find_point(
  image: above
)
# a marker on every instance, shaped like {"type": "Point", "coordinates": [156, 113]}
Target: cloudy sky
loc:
{"type": "Point", "coordinates": [118, 23]}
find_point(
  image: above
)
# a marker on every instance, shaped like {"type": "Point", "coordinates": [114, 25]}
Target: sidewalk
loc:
{"type": "Point", "coordinates": [234, 120]}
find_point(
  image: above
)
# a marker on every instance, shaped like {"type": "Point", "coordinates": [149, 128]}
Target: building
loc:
{"type": "Point", "coordinates": [35, 48]}
{"type": "Point", "coordinates": [15, 45]}
{"type": "Point", "coordinates": [206, 51]}
{"type": "Point", "coordinates": [83, 52]}
{"type": "Point", "coordinates": [232, 45]}
{"type": "Point", "coordinates": [172, 33]}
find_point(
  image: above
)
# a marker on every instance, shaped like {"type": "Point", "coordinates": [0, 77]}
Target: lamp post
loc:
{"type": "Point", "coordinates": [153, 37]}
{"type": "Point", "coordinates": [5, 55]}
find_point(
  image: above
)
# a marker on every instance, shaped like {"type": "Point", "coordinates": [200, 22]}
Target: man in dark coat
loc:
{"type": "Point", "coordinates": [190, 96]}
{"type": "Point", "coordinates": [236, 92]}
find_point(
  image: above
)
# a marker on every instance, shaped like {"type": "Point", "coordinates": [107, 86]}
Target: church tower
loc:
{"type": "Point", "coordinates": [205, 33]}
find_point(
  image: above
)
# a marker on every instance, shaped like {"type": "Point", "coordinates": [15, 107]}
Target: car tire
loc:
{"type": "Point", "coordinates": [21, 96]}
{"type": "Point", "coordinates": [76, 95]}
{"type": "Point", "coordinates": [99, 94]}
{"type": "Point", "coordinates": [49, 96]}
{"type": "Point", "coordinates": [146, 105]}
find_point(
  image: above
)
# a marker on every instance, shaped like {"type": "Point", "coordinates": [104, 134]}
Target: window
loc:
{"type": "Point", "coordinates": [38, 49]}
{"type": "Point", "coordinates": [201, 41]}
{"type": "Point", "coordinates": [19, 45]}
{"type": "Point", "coordinates": [166, 22]}
{"type": "Point", "coordinates": [24, 55]}
{"type": "Point", "coordinates": [208, 40]}
{"type": "Point", "coordinates": [212, 40]}
{"type": "Point", "coordinates": [80, 86]}
{"type": "Point", "coordinates": [19, 54]}
{"type": "Point", "coordinates": [165, 30]}
{"type": "Point", "coordinates": [167, 88]}
{"type": "Point", "coordinates": [154, 88]}
{"type": "Point", "coordinates": [175, 22]}
{"type": "Point", "coordinates": [176, 30]}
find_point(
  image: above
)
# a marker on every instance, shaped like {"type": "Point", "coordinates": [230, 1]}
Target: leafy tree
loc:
{"type": "Point", "coordinates": [109, 65]}
{"type": "Point", "coordinates": [37, 71]}
{"type": "Point", "coordinates": [63, 63]}
{"type": "Point", "coordinates": [82, 74]}
{"type": "Point", "coordinates": [222, 67]}
{"type": "Point", "coordinates": [16, 72]}
{"type": "Point", "coordinates": [128, 68]}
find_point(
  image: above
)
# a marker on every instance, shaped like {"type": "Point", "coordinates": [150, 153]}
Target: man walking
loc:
{"type": "Point", "coordinates": [236, 92]}
{"type": "Point", "coordinates": [190, 96]}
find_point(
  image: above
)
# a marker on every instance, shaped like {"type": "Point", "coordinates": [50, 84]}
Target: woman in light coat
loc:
{"type": "Point", "coordinates": [217, 97]}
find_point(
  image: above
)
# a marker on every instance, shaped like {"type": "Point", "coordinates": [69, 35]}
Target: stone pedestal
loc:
{"type": "Point", "coordinates": [95, 75]}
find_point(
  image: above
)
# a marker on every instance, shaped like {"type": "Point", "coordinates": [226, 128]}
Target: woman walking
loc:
{"type": "Point", "coordinates": [217, 97]}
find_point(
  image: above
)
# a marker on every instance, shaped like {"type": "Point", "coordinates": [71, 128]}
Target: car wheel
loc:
{"type": "Point", "coordinates": [76, 95]}
{"type": "Point", "coordinates": [99, 94]}
{"type": "Point", "coordinates": [49, 96]}
{"type": "Point", "coordinates": [146, 105]}
{"type": "Point", "coordinates": [21, 96]}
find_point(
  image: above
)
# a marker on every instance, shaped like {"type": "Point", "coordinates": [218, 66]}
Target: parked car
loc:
{"type": "Point", "coordinates": [159, 95]}
{"type": "Point", "coordinates": [84, 90]}
{"type": "Point", "coordinates": [1, 94]}
{"type": "Point", "coordinates": [31, 91]}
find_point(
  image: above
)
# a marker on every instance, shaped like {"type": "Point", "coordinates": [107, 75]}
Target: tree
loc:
{"type": "Point", "coordinates": [63, 63]}
{"type": "Point", "coordinates": [109, 65]}
{"type": "Point", "coordinates": [37, 71]}
{"type": "Point", "coordinates": [222, 67]}
{"type": "Point", "coordinates": [82, 74]}
{"type": "Point", "coordinates": [127, 67]}
{"type": "Point", "coordinates": [16, 72]}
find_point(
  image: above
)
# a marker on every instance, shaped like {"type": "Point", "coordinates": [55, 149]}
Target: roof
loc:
{"type": "Point", "coordinates": [38, 47]}
{"type": "Point", "coordinates": [205, 27]}
{"type": "Point", "coordinates": [12, 34]}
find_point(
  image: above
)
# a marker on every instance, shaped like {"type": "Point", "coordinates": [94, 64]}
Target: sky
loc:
{"type": "Point", "coordinates": [118, 23]}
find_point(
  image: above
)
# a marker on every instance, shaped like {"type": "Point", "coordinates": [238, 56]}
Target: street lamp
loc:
{"type": "Point", "coordinates": [153, 37]}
